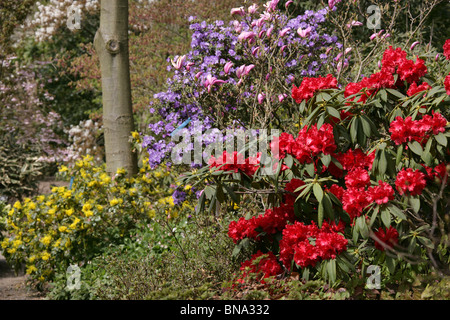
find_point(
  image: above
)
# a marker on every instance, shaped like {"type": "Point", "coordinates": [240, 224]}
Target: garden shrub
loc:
{"type": "Point", "coordinates": [360, 177]}
{"type": "Point", "coordinates": [73, 224]}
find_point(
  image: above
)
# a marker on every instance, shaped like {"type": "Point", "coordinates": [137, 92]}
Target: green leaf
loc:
{"type": "Point", "coordinates": [354, 129]}
{"type": "Point", "coordinates": [289, 161]}
{"type": "Point", "coordinates": [399, 154]}
{"type": "Point", "coordinates": [390, 263]}
{"type": "Point", "coordinates": [415, 147]}
{"type": "Point", "coordinates": [320, 211]}
{"type": "Point", "coordinates": [415, 204]}
{"type": "Point", "coordinates": [441, 139]}
{"type": "Point", "coordinates": [326, 159]}
{"type": "Point", "coordinates": [386, 218]}
{"type": "Point", "coordinates": [396, 212]}
{"type": "Point", "coordinates": [333, 112]}
{"type": "Point", "coordinates": [318, 192]}
{"type": "Point", "coordinates": [331, 270]}
{"type": "Point", "coordinates": [395, 93]}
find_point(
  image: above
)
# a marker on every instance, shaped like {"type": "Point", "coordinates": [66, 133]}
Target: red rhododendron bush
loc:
{"type": "Point", "coordinates": [362, 181]}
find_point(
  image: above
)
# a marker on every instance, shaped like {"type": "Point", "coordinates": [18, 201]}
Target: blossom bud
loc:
{"type": "Point", "coordinates": [227, 67]}
{"type": "Point", "coordinates": [304, 32]}
{"type": "Point", "coordinates": [284, 31]}
{"type": "Point", "coordinates": [288, 4]}
{"type": "Point", "coordinates": [414, 45]}
{"type": "Point", "coordinates": [239, 11]}
{"type": "Point", "coordinates": [261, 97]}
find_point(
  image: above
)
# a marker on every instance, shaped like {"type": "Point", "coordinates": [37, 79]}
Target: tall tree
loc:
{"type": "Point", "coordinates": [111, 44]}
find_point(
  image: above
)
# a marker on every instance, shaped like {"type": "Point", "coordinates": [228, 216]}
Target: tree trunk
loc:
{"type": "Point", "coordinates": [111, 44]}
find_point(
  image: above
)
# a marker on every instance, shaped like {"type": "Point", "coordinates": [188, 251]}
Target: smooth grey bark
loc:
{"type": "Point", "coordinates": [111, 44]}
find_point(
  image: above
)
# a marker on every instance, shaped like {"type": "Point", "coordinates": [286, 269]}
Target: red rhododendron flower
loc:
{"type": "Point", "coordinates": [354, 200]}
{"type": "Point", "coordinates": [404, 130]}
{"type": "Point", "coordinates": [414, 88]}
{"type": "Point", "coordinates": [447, 84]}
{"type": "Point", "coordinates": [388, 237]}
{"type": "Point", "coordinates": [307, 245]}
{"type": "Point", "coordinates": [310, 86]}
{"type": "Point", "coordinates": [410, 182]}
{"type": "Point", "coordinates": [447, 49]}
{"type": "Point", "coordinates": [355, 159]}
{"type": "Point", "coordinates": [357, 178]}
{"type": "Point", "coordinates": [264, 263]}
{"type": "Point", "coordinates": [382, 193]}
{"type": "Point", "coordinates": [338, 191]}
{"type": "Point", "coordinates": [410, 71]}
{"type": "Point", "coordinates": [235, 162]}
{"type": "Point", "coordinates": [312, 142]}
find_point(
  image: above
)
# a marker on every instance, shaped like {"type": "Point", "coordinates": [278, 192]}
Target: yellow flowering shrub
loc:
{"type": "Point", "coordinates": [73, 224]}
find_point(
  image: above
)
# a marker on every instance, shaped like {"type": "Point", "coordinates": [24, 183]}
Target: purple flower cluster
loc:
{"type": "Point", "coordinates": [225, 63]}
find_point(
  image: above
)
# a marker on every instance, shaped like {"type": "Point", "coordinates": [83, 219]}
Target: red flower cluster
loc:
{"type": "Point", "coordinates": [235, 162]}
{"type": "Point", "coordinates": [272, 221]}
{"type": "Point", "coordinates": [414, 88]}
{"type": "Point", "coordinates": [410, 182]}
{"type": "Point", "coordinates": [265, 263]}
{"type": "Point", "coordinates": [355, 199]}
{"type": "Point", "coordinates": [394, 61]}
{"type": "Point", "coordinates": [404, 130]}
{"type": "Point", "coordinates": [308, 144]}
{"type": "Point", "coordinates": [447, 84]}
{"type": "Point", "coordinates": [310, 86]}
{"type": "Point", "coordinates": [357, 178]}
{"type": "Point", "coordinates": [307, 244]}
{"type": "Point", "coordinates": [388, 237]}
{"type": "Point", "coordinates": [356, 158]}
{"type": "Point", "coordinates": [447, 49]}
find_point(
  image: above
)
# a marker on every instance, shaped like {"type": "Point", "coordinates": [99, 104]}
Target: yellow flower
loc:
{"type": "Point", "coordinates": [62, 229]}
{"type": "Point", "coordinates": [87, 207]}
{"type": "Point", "coordinates": [115, 202]}
{"type": "Point", "coordinates": [158, 174]}
{"type": "Point", "coordinates": [135, 135]}
{"type": "Point", "coordinates": [31, 259]}
{"type": "Point", "coordinates": [88, 213]}
{"type": "Point", "coordinates": [74, 224]}
{"type": "Point", "coordinates": [69, 212]}
{"type": "Point", "coordinates": [63, 169]}
{"type": "Point", "coordinates": [45, 256]}
{"type": "Point", "coordinates": [17, 205]}
{"type": "Point", "coordinates": [40, 198]}
{"type": "Point", "coordinates": [31, 205]}
{"type": "Point", "coordinates": [46, 240]}
{"type": "Point", "coordinates": [31, 269]}
{"type": "Point", "coordinates": [52, 211]}
{"type": "Point", "coordinates": [121, 171]}
{"type": "Point", "coordinates": [105, 178]}
{"type": "Point", "coordinates": [99, 207]}
{"type": "Point", "coordinates": [17, 243]}
{"type": "Point", "coordinates": [11, 250]}
{"type": "Point", "coordinates": [67, 194]}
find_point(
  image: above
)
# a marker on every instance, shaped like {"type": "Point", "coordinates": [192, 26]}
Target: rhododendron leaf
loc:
{"type": "Point", "coordinates": [382, 163]}
{"type": "Point", "coordinates": [399, 154]}
{"type": "Point", "coordinates": [362, 226]}
{"type": "Point", "coordinates": [318, 192]}
{"type": "Point", "coordinates": [435, 90]}
{"type": "Point", "coordinates": [383, 95]}
{"type": "Point", "coordinates": [320, 214]}
{"type": "Point", "coordinates": [289, 161]}
{"type": "Point", "coordinates": [209, 192]}
{"type": "Point", "coordinates": [331, 270]}
{"type": "Point", "coordinates": [231, 193]}
{"type": "Point", "coordinates": [309, 167]}
{"type": "Point", "coordinates": [333, 112]}
{"type": "Point", "coordinates": [390, 263]}
{"type": "Point", "coordinates": [354, 123]}
{"type": "Point", "coordinates": [426, 242]}
{"type": "Point", "coordinates": [415, 204]}
{"type": "Point", "coordinates": [326, 159]}
{"type": "Point", "coordinates": [328, 206]}
{"type": "Point", "coordinates": [374, 215]}
{"type": "Point", "coordinates": [415, 147]}
{"type": "Point", "coordinates": [396, 93]}
{"type": "Point", "coordinates": [386, 218]}
{"type": "Point", "coordinates": [366, 126]}
{"type": "Point", "coordinates": [441, 139]}
{"type": "Point", "coordinates": [396, 212]}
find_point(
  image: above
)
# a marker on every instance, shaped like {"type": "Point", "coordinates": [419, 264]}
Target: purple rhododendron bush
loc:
{"type": "Point", "coordinates": [288, 150]}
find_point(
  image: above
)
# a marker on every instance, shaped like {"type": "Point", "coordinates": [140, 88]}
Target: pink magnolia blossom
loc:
{"type": "Point", "coordinates": [227, 67]}
{"type": "Point", "coordinates": [304, 32]}
{"type": "Point", "coordinates": [178, 63]}
{"type": "Point", "coordinates": [284, 32]}
{"type": "Point", "coordinates": [210, 81]}
{"type": "Point", "coordinates": [239, 11]}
